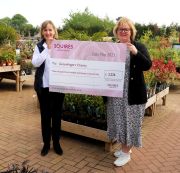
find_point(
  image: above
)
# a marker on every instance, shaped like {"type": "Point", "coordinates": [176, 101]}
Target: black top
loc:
{"type": "Point", "coordinates": [140, 62]}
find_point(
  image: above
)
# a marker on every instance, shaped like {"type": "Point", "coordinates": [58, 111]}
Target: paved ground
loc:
{"type": "Point", "coordinates": [20, 139]}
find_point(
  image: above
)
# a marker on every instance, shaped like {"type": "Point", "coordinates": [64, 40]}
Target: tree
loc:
{"type": "Point", "coordinates": [28, 30]}
{"type": "Point", "coordinates": [6, 20]}
{"type": "Point", "coordinates": [173, 27]}
{"type": "Point", "coordinates": [18, 22]}
{"type": "Point", "coordinates": [83, 25]}
{"type": "Point", "coordinates": [7, 33]}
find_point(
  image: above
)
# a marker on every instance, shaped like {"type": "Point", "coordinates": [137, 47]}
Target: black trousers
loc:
{"type": "Point", "coordinates": [51, 104]}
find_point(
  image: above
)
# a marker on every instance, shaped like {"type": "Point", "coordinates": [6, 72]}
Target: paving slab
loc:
{"type": "Point", "coordinates": [20, 139]}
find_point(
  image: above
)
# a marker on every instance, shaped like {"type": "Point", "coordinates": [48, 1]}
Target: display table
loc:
{"type": "Point", "coordinates": [11, 72]}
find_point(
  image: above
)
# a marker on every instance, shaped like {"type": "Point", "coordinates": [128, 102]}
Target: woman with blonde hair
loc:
{"type": "Point", "coordinates": [50, 102]}
{"type": "Point", "coordinates": [125, 115]}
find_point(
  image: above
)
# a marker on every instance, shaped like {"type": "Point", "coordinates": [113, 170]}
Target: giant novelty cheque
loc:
{"type": "Point", "coordinates": [87, 67]}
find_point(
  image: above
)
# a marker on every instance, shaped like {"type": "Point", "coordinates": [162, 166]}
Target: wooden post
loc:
{"type": "Point", "coordinates": [17, 81]}
{"type": "Point", "coordinates": [162, 95]}
{"type": "Point", "coordinates": [164, 100]}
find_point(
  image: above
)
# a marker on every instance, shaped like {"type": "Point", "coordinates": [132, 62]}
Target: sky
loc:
{"type": "Point", "coordinates": [158, 12]}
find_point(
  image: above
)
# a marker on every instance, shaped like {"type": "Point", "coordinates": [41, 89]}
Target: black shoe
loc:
{"type": "Point", "coordinates": [57, 148]}
{"type": "Point", "coordinates": [45, 150]}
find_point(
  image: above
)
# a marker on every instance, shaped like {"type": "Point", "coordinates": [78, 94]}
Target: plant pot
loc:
{"type": "Point", "coordinates": [28, 71]}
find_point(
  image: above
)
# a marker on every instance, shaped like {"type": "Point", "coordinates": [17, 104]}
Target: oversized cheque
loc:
{"type": "Point", "coordinates": [86, 67]}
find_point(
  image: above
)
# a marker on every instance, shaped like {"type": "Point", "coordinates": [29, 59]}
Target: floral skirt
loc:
{"type": "Point", "coordinates": [124, 121]}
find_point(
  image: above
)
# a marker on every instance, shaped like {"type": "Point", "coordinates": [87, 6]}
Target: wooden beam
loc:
{"type": "Point", "coordinates": [84, 131]}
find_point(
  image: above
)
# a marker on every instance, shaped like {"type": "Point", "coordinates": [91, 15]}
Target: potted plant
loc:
{"type": "Point", "coordinates": [2, 61]}
{"type": "Point", "coordinates": [26, 67]}
{"type": "Point", "coordinates": [7, 55]}
{"type": "Point", "coordinates": [21, 168]}
{"type": "Point", "coordinates": [85, 110]}
{"type": "Point", "coordinates": [165, 72]}
{"type": "Point", "coordinates": [151, 82]}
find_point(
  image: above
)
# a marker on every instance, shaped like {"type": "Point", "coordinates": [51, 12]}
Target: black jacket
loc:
{"type": "Point", "coordinates": [38, 82]}
{"type": "Point", "coordinates": [137, 93]}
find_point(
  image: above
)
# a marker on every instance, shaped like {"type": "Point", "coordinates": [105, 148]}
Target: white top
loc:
{"type": "Point", "coordinates": [38, 58]}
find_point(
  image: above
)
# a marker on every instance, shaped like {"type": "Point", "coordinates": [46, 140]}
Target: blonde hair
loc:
{"type": "Point", "coordinates": [122, 21]}
{"type": "Point", "coordinates": [44, 25]}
